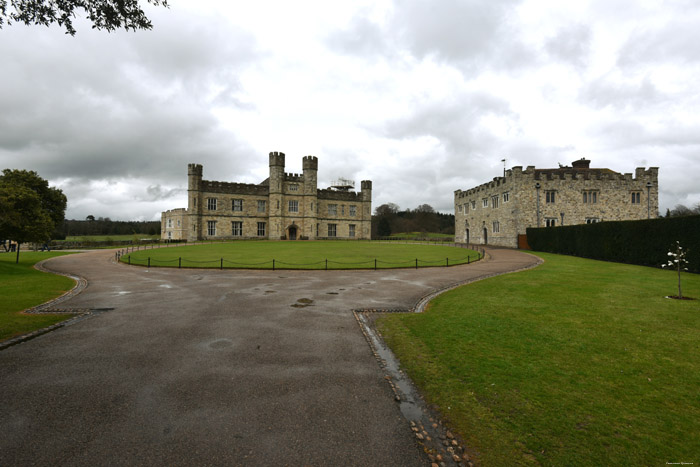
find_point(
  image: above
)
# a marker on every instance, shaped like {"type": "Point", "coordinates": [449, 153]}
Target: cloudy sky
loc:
{"type": "Point", "coordinates": [421, 97]}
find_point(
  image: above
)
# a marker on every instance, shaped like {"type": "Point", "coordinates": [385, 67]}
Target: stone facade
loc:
{"type": "Point", "coordinates": [284, 206]}
{"type": "Point", "coordinates": [498, 211]}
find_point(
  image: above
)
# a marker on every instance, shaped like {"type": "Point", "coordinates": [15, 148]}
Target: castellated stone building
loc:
{"type": "Point", "coordinates": [499, 211]}
{"type": "Point", "coordinates": [284, 206]}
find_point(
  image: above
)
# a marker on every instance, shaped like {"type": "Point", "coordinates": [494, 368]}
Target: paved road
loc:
{"type": "Point", "coordinates": [214, 368]}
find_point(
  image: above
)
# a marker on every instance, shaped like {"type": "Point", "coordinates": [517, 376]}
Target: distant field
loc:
{"type": "Point", "coordinates": [576, 362]}
{"type": "Point", "coordinates": [303, 255]}
{"type": "Point", "coordinates": [22, 287]}
{"type": "Point", "coordinates": [108, 238]}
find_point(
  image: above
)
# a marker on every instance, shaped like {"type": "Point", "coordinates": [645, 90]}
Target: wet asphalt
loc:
{"type": "Point", "coordinates": [210, 367]}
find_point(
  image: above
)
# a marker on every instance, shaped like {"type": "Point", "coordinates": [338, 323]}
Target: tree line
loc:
{"type": "Point", "coordinates": [389, 220]}
{"type": "Point", "coordinates": [106, 226]}
{"type": "Point", "coordinates": [681, 210]}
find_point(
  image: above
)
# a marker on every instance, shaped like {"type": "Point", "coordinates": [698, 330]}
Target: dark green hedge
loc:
{"type": "Point", "coordinates": [645, 242]}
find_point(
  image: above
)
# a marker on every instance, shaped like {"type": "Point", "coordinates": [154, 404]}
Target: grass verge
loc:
{"type": "Point", "coordinates": [577, 362]}
{"type": "Point", "coordinates": [22, 287]}
{"type": "Point", "coordinates": [303, 255]}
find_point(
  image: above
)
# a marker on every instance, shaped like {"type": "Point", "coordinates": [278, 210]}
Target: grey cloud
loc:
{"type": "Point", "coordinates": [158, 193]}
{"type": "Point", "coordinates": [466, 34]}
{"type": "Point", "coordinates": [571, 44]}
{"type": "Point", "coordinates": [603, 92]}
{"type": "Point", "coordinates": [676, 41]}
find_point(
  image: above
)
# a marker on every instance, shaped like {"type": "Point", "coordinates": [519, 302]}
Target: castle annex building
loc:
{"type": "Point", "coordinates": [284, 206]}
{"type": "Point", "coordinates": [498, 211]}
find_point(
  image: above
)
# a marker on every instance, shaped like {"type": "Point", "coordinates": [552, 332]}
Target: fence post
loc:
{"type": "Point", "coordinates": [273, 264]}
{"type": "Point", "coordinates": [149, 261]}
{"type": "Point", "coordinates": [375, 264]}
{"type": "Point", "coordinates": [222, 264]}
{"type": "Point", "coordinates": [416, 263]}
{"type": "Point", "coordinates": [326, 264]}
{"type": "Point", "coordinates": [468, 259]}
{"type": "Point", "coordinates": [179, 262]}
{"type": "Point", "coordinates": [447, 262]}
{"type": "Point", "coordinates": [129, 258]}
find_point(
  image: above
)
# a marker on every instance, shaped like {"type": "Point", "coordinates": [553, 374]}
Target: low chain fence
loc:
{"type": "Point", "coordinates": [125, 256]}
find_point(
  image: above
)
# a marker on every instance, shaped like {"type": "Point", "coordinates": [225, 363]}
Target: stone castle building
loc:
{"type": "Point", "coordinates": [499, 211]}
{"type": "Point", "coordinates": [284, 206]}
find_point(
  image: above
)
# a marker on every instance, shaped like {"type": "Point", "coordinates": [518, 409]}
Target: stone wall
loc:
{"type": "Point", "coordinates": [568, 195]}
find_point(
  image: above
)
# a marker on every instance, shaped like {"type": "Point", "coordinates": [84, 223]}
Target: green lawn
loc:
{"type": "Point", "coordinates": [302, 255]}
{"type": "Point", "coordinates": [22, 287]}
{"type": "Point", "coordinates": [421, 235]}
{"type": "Point", "coordinates": [576, 362]}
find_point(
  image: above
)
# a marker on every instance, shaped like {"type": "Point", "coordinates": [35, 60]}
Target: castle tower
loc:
{"type": "Point", "coordinates": [194, 201]}
{"type": "Point", "coordinates": [310, 164]}
{"type": "Point", "coordinates": [276, 208]}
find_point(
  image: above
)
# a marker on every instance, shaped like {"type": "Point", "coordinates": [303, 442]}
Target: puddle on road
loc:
{"type": "Point", "coordinates": [303, 303]}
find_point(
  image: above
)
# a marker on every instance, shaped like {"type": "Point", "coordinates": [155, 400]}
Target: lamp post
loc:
{"type": "Point", "coordinates": [537, 186]}
{"type": "Point", "coordinates": [562, 218]}
{"type": "Point", "coordinates": [649, 185]}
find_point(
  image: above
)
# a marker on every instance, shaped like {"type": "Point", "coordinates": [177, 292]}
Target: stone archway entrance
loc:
{"type": "Point", "coordinates": [486, 236]}
{"type": "Point", "coordinates": [292, 232]}
{"type": "Point", "coordinates": [466, 236]}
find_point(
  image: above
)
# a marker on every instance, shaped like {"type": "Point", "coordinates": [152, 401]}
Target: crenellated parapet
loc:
{"type": "Point", "coordinates": [233, 188]}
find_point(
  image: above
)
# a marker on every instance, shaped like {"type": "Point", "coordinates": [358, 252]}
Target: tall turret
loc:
{"type": "Point", "coordinates": [276, 199]}
{"type": "Point", "coordinates": [366, 190]}
{"type": "Point", "coordinates": [194, 201]}
{"type": "Point", "coordinates": [310, 164]}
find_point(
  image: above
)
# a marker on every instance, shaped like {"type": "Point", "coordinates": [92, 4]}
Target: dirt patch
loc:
{"type": "Point", "coordinates": [303, 303]}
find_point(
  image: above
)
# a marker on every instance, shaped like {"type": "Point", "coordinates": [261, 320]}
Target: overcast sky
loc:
{"type": "Point", "coordinates": [421, 97]}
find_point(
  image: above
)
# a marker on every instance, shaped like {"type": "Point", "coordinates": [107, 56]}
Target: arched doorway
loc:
{"type": "Point", "coordinates": [486, 236]}
{"type": "Point", "coordinates": [466, 232]}
{"type": "Point", "coordinates": [292, 232]}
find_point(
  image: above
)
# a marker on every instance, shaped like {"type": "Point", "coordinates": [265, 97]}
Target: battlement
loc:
{"type": "Point", "coordinates": [234, 188]}
{"type": "Point", "coordinates": [291, 177]}
{"type": "Point", "coordinates": [580, 170]}
{"type": "Point", "coordinates": [195, 170]}
{"type": "Point", "coordinates": [277, 159]}
{"type": "Point", "coordinates": [339, 195]}
{"type": "Point", "coordinates": [366, 185]}
{"type": "Point", "coordinates": [310, 163]}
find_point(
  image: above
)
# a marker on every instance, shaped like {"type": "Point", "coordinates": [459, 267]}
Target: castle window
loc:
{"type": "Point", "coordinates": [460, 208]}
{"type": "Point", "coordinates": [549, 196]}
{"type": "Point", "coordinates": [332, 229]}
{"type": "Point", "coordinates": [590, 197]}
{"type": "Point", "coordinates": [237, 205]}
{"type": "Point", "coordinates": [293, 206]}
{"type": "Point", "coordinates": [342, 209]}
{"type": "Point", "coordinates": [211, 228]}
{"type": "Point", "coordinates": [506, 197]}
{"type": "Point", "coordinates": [494, 201]}
{"type": "Point", "coordinates": [178, 222]}
{"type": "Point", "coordinates": [351, 230]}
{"type": "Point", "coordinates": [485, 202]}
{"type": "Point", "coordinates": [317, 230]}
{"type": "Point", "coordinates": [332, 209]}
{"type": "Point", "coordinates": [353, 210]}
{"type": "Point", "coordinates": [211, 204]}
{"type": "Point", "coordinates": [312, 206]}
{"type": "Point", "coordinates": [294, 187]}
{"type": "Point", "coordinates": [473, 205]}
{"type": "Point", "coordinates": [170, 235]}
{"type": "Point", "coordinates": [261, 229]}
{"type": "Point", "coordinates": [551, 221]}
{"type": "Point", "coordinates": [496, 227]}
{"type": "Point", "coordinates": [170, 223]}
{"type": "Point", "coordinates": [636, 197]}
{"type": "Point", "coordinates": [237, 228]}
{"type": "Point", "coordinates": [592, 220]}
{"type": "Point", "coordinates": [261, 205]}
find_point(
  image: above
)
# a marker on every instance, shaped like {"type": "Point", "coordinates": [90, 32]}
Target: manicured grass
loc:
{"type": "Point", "coordinates": [577, 362]}
{"type": "Point", "coordinates": [22, 287]}
{"type": "Point", "coordinates": [421, 235]}
{"type": "Point", "coordinates": [303, 255]}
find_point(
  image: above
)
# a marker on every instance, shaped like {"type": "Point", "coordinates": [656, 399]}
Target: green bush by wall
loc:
{"type": "Point", "coordinates": [645, 242]}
